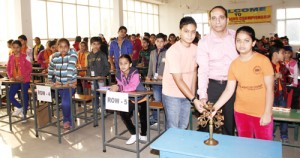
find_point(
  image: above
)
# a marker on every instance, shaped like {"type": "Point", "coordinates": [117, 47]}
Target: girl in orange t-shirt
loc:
{"type": "Point", "coordinates": [81, 65]}
{"type": "Point", "coordinates": [253, 75]}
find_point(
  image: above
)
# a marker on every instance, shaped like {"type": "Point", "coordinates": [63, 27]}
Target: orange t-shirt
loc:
{"type": "Point", "coordinates": [251, 90]}
{"type": "Point", "coordinates": [179, 59]}
{"type": "Point", "coordinates": [47, 54]}
{"type": "Point", "coordinates": [16, 70]}
{"type": "Point", "coordinates": [279, 81]}
{"type": "Point", "coordinates": [82, 61]}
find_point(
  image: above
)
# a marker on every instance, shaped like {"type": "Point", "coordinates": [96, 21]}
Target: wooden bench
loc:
{"type": "Point", "coordinates": [157, 106]}
{"type": "Point", "coordinates": [84, 99]}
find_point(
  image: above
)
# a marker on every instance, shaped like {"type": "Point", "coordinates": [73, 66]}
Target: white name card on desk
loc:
{"type": "Point", "coordinates": [117, 101]}
{"type": "Point", "coordinates": [44, 93]}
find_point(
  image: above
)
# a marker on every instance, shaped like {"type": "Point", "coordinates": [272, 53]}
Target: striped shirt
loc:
{"type": "Point", "coordinates": [63, 69]}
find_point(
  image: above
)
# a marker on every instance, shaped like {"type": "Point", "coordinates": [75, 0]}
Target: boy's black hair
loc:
{"type": "Point", "coordinates": [152, 34]}
{"type": "Point", "coordinates": [122, 28]}
{"type": "Point", "coordinates": [275, 48]}
{"type": "Point", "coordinates": [17, 42]}
{"type": "Point", "coordinates": [126, 56]}
{"type": "Point", "coordinates": [10, 41]}
{"type": "Point", "coordinates": [23, 37]}
{"type": "Point", "coordinates": [146, 40]}
{"type": "Point", "coordinates": [51, 43]}
{"type": "Point", "coordinates": [147, 34]}
{"type": "Point", "coordinates": [133, 35]}
{"type": "Point", "coordinates": [96, 39]}
{"type": "Point", "coordinates": [219, 7]}
{"type": "Point", "coordinates": [187, 20]}
{"type": "Point", "coordinates": [78, 39]}
{"type": "Point", "coordinates": [161, 35]}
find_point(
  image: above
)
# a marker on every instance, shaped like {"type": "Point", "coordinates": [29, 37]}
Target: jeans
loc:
{"type": "Point", "coordinates": [249, 127]}
{"type": "Point", "coordinates": [14, 88]}
{"type": "Point", "coordinates": [283, 127]}
{"type": "Point", "coordinates": [66, 104]}
{"type": "Point", "coordinates": [96, 86]}
{"type": "Point", "coordinates": [157, 94]}
{"type": "Point", "coordinates": [177, 111]}
{"type": "Point", "coordinates": [126, 118]}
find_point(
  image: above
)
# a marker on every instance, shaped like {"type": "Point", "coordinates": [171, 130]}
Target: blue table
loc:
{"type": "Point", "coordinates": [178, 143]}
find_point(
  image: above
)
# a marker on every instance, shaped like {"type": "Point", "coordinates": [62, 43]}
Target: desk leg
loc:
{"type": "Point", "coordinates": [95, 105]}
{"type": "Point", "coordinates": [148, 121]}
{"type": "Point", "coordinates": [103, 124]}
{"type": "Point", "coordinates": [58, 117]}
{"type": "Point", "coordinates": [116, 123]}
{"type": "Point", "coordinates": [35, 113]}
{"type": "Point", "coordinates": [136, 110]}
{"type": "Point", "coordinates": [22, 101]}
{"type": "Point", "coordinates": [72, 108]}
{"type": "Point", "coordinates": [8, 106]}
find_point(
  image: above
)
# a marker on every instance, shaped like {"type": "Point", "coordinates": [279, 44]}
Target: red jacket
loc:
{"type": "Point", "coordinates": [24, 65]}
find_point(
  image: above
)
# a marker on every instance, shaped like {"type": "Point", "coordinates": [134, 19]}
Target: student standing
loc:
{"type": "Point", "coordinates": [118, 47]}
{"type": "Point", "coordinates": [63, 68]}
{"type": "Point", "coordinates": [97, 65]}
{"type": "Point", "coordinates": [215, 53]}
{"type": "Point", "coordinates": [252, 74]}
{"type": "Point", "coordinates": [37, 48]}
{"type": "Point", "coordinates": [156, 70]}
{"type": "Point", "coordinates": [19, 69]}
{"type": "Point", "coordinates": [281, 77]}
{"type": "Point", "coordinates": [25, 49]}
{"type": "Point", "coordinates": [179, 77]}
{"type": "Point", "coordinates": [128, 80]}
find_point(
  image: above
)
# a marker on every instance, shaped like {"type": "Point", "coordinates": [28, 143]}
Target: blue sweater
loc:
{"type": "Point", "coordinates": [63, 69]}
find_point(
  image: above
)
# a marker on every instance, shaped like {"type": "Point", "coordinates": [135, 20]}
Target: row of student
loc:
{"type": "Point", "coordinates": [215, 63]}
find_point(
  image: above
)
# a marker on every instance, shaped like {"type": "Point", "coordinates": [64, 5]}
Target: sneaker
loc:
{"type": "Point", "coordinates": [67, 125]}
{"type": "Point", "coordinates": [131, 140]}
{"type": "Point", "coordinates": [17, 112]}
{"type": "Point", "coordinates": [284, 140]}
{"type": "Point", "coordinates": [153, 124]}
{"type": "Point", "coordinates": [143, 138]}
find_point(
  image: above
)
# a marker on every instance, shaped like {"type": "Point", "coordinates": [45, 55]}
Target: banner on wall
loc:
{"type": "Point", "coordinates": [250, 15]}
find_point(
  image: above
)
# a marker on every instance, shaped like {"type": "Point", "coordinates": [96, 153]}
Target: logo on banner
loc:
{"type": "Point", "coordinates": [44, 93]}
{"type": "Point", "coordinates": [117, 101]}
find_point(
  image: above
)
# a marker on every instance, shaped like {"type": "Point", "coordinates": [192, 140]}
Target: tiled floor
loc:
{"type": "Point", "coordinates": [86, 142]}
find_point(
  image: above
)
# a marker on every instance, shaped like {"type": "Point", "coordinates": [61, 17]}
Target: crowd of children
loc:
{"type": "Point", "coordinates": [255, 82]}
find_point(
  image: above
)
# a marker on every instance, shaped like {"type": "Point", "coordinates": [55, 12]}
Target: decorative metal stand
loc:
{"type": "Point", "coordinates": [216, 120]}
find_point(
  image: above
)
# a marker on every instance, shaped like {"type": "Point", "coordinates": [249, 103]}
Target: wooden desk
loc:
{"type": "Point", "coordinates": [39, 74]}
{"type": "Point", "coordinates": [117, 135]}
{"type": "Point", "coordinates": [290, 117]}
{"type": "Point", "coordinates": [60, 133]}
{"type": "Point", "coordinates": [178, 143]}
{"type": "Point", "coordinates": [153, 82]}
{"type": "Point", "coordinates": [7, 83]}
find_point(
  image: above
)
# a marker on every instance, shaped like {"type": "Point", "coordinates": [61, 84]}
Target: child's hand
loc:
{"type": "Point", "coordinates": [147, 78]}
{"type": "Point", "coordinates": [12, 79]}
{"type": "Point", "coordinates": [114, 88]}
{"type": "Point", "coordinates": [159, 77]}
{"type": "Point", "coordinates": [265, 119]}
{"type": "Point", "coordinates": [19, 78]}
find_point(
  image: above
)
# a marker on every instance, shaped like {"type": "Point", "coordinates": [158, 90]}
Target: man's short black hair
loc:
{"type": "Point", "coordinates": [187, 20]}
{"type": "Point", "coordinates": [161, 35]}
{"type": "Point", "coordinates": [122, 28]}
{"type": "Point", "coordinates": [219, 7]}
{"type": "Point", "coordinates": [96, 39]}
{"type": "Point", "coordinates": [23, 37]}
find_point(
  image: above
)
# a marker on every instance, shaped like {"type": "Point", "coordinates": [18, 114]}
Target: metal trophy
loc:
{"type": "Point", "coordinates": [216, 120]}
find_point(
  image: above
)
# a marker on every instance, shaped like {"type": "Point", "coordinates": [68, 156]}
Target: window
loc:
{"type": "Point", "coordinates": [202, 22]}
{"type": "Point", "coordinates": [140, 17]}
{"type": "Point", "coordinates": [70, 18]}
{"type": "Point", "coordinates": [288, 24]}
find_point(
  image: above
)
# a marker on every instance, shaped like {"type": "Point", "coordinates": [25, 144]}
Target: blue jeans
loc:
{"type": "Point", "coordinates": [283, 127]}
{"type": "Point", "coordinates": [177, 111]}
{"type": "Point", "coordinates": [66, 104]}
{"type": "Point", "coordinates": [14, 88]}
{"type": "Point", "coordinates": [157, 94]}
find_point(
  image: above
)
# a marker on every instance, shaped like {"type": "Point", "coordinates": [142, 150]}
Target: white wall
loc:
{"type": "Point", "coordinates": [173, 11]}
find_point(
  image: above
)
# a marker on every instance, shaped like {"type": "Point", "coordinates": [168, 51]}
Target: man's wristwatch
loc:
{"type": "Point", "coordinates": [192, 100]}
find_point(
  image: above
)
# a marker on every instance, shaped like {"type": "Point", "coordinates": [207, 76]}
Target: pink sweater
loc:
{"type": "Point", "coordinates": [24, 65]}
